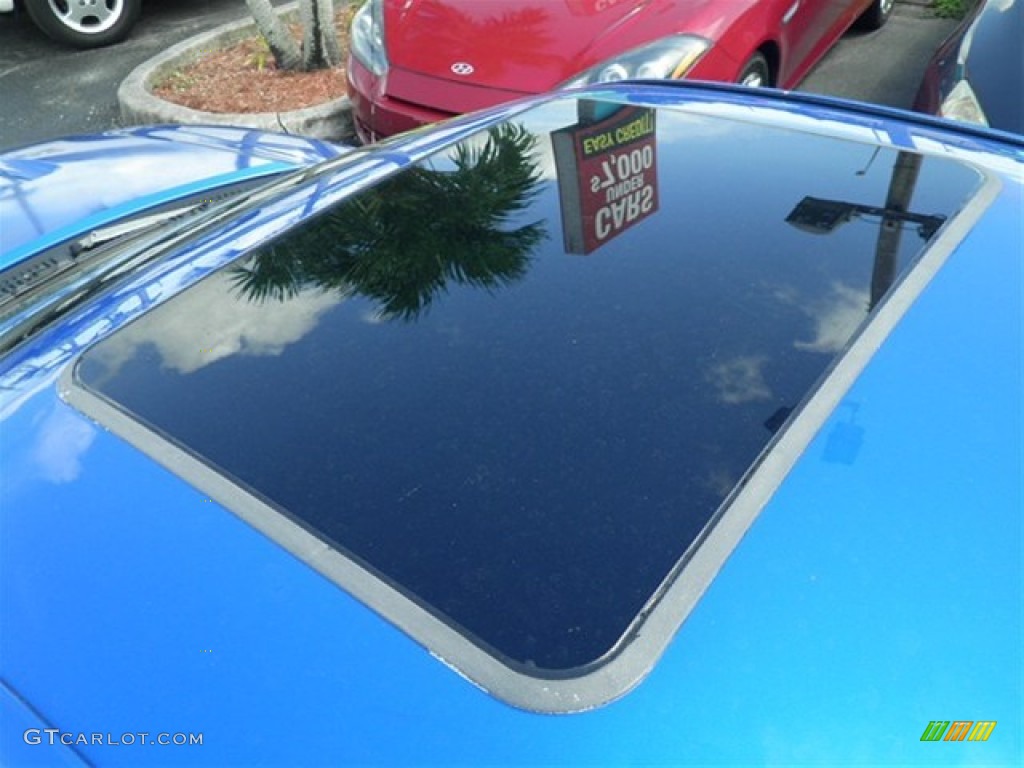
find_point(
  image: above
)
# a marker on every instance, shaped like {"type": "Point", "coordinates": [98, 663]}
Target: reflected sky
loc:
{"type": "Point", "coordinates": [209, 329]}
{"type": "Point", "coordinates": [527, 456]}
{"type": "Point", "coordinates": [63, 439]}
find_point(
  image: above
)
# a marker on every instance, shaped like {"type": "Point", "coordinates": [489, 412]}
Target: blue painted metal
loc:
{"type": "Point", "coordinates": [880, 588]}
{"type": "Point", "coordinates": [28, 733]}
{"type": "Point", "coordinates": [63, 188]}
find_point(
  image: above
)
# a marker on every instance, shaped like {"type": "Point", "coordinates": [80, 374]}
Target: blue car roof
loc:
{"type": "Point", "coordinates": [874, 591]}
{"type": "Point", "coordinates": [60, 189]}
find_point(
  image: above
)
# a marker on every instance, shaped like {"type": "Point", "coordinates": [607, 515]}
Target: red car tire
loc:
{"type": "Point", "coordinates": [756, 73]}
{"type": "Point", "coordinates": [876, 15]}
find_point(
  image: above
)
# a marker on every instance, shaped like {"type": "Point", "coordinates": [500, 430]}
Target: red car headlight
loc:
{"type": "Point", "coordinates": [366, 39]}
{"type": "Point", "coordinates": [670, 57]}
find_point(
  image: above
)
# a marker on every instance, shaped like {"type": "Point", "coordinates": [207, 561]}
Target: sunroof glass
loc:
{"type": "Point", "coordinates": [518, 381]}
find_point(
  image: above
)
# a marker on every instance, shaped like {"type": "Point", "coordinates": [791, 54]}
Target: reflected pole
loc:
{"type": "Point", "coordinates": [901, 188]}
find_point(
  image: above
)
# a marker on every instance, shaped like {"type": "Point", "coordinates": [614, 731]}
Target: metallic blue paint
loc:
{"type": "Point", "coordinates": [63, 188]}
{"type": "Point", "coordinates": [876, 592]}
{"type": "Point", "coordinates": [18, 718]}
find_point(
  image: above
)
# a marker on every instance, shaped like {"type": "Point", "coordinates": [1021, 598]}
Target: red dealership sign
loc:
{"type": "Point", "coordinates": [607, 175]}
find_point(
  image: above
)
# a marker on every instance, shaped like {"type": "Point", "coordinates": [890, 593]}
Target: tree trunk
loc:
{"type": "Point", "coordinates": [331, 46]}
{"type": "Point", "coordinates": [319, 41]}
{"type": "Point", "coordinates": [282, 45]}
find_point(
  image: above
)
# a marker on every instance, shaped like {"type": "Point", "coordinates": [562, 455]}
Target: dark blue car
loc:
{"type": "Point", "coordinates": [645, 424]}
{"type": "Point", "coordinates": [977, 74]}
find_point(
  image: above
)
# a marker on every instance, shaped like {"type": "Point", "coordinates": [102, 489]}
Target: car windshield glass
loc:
{"type": "Point", "coordinates": [517, 381]}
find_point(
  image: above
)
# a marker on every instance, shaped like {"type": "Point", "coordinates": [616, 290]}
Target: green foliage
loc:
{"type": "Point", "coordinates": [178, 81]}
{"type": "Point", "coordinates": [950, 9]}
{"type": "Point", "coordinates": [261, 55]}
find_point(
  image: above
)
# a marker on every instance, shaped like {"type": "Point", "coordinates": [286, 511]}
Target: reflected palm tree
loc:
{"type": "Point", "coordinates": [402, 242]}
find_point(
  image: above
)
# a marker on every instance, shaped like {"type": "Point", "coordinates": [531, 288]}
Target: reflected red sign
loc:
{"type": "Point", "coordinates": [607, 176]}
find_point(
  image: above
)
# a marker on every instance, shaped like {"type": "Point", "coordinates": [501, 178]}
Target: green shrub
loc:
{"type": "Point", "coordinates": [950, 9]}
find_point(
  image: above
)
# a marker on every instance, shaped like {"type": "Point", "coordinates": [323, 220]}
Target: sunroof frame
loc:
{"type": "Point", "coordinates": [648, 636]}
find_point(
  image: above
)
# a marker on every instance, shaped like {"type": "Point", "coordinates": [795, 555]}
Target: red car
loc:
{"type": "Point", "coordinates": [419, 61]}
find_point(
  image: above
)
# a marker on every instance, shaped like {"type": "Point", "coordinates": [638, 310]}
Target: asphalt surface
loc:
{"type": "Point", "coordinates": [886, 66]}
{"type": "Point", "coordinates": [48, 91]}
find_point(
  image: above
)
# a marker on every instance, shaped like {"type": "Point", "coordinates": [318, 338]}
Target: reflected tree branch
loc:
{"type": "Point", "coordinates": [403, 242]}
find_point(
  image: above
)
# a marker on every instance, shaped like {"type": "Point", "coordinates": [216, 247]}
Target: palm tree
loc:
{"type": "Point", "coordinates": [403, 241]}
{"type": "Point", "coordinates": [319, 43]}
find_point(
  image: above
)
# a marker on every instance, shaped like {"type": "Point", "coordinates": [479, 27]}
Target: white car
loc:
{"type": "Point", "coordinates": [81, 23]}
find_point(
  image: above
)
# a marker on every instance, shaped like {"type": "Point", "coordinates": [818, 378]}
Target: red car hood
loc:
{"type": "Point", "coordinates": [528, 46]}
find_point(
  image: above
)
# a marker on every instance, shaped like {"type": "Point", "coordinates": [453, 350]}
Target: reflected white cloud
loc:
{"type": "Point", "coordinates": [208, 329]}
{"type": "Point", "coordinates": [63, 439]}
{"type": "Point", "coordinates": [721, 481]}
{"type": "Point", "coordinates": [835, 319]}
{"type": "Point", "coordinates": [740, 380]}
{"type": "Point", "coordinates": [372, 318]}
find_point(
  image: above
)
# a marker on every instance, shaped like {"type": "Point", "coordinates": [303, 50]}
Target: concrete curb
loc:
{"type": "Point", "coordinates": [331, 120]}
{"type": "Point", "coordinates": [917, 9]}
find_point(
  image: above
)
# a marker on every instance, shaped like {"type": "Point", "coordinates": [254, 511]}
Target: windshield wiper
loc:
{"type": "Point", "coordinates": [132, 226]}
{"type": "Point", "coordinates": [41, 270]}
{"type": "Point", "coordinates": [24, 308]}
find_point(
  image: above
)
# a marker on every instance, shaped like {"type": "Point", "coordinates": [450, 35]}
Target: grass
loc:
{"type": "Point", "coordinates": [178, 81]}
{"type": "Point", "coordinates": [261, 55]}
{"type": "Point", "coordinates": [950, 9]}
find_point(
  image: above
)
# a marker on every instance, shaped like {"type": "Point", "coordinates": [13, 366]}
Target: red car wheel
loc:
{"type": "Point", "coordinates": [756, 72]}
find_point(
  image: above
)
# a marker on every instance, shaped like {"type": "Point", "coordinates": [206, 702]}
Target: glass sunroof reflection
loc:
{"type": "Point", "coordinates": [513, 401]}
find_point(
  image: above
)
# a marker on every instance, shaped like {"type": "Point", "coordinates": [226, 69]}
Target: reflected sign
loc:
{"type": "Point", "coordinates": [607, 174]}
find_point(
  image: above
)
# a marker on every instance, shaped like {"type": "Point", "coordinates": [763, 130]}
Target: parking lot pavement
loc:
{"type": "Point", "coordinates": [49, 91]}
{"type": "Point", "coordinates": [883, 67]}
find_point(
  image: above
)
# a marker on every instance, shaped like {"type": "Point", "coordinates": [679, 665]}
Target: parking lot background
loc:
{"type": "Point", "coordinates": [48, 91]}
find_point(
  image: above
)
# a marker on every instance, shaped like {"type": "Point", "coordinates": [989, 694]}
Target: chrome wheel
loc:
{"type": "Point", "coordinates": [756, 73]}
{"type": "Point", "coordinates": [84, 23]}
{"type": "Point", "coordinates": [753, 80]}
{"type": "Point", "coordinates": [89, 17]}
